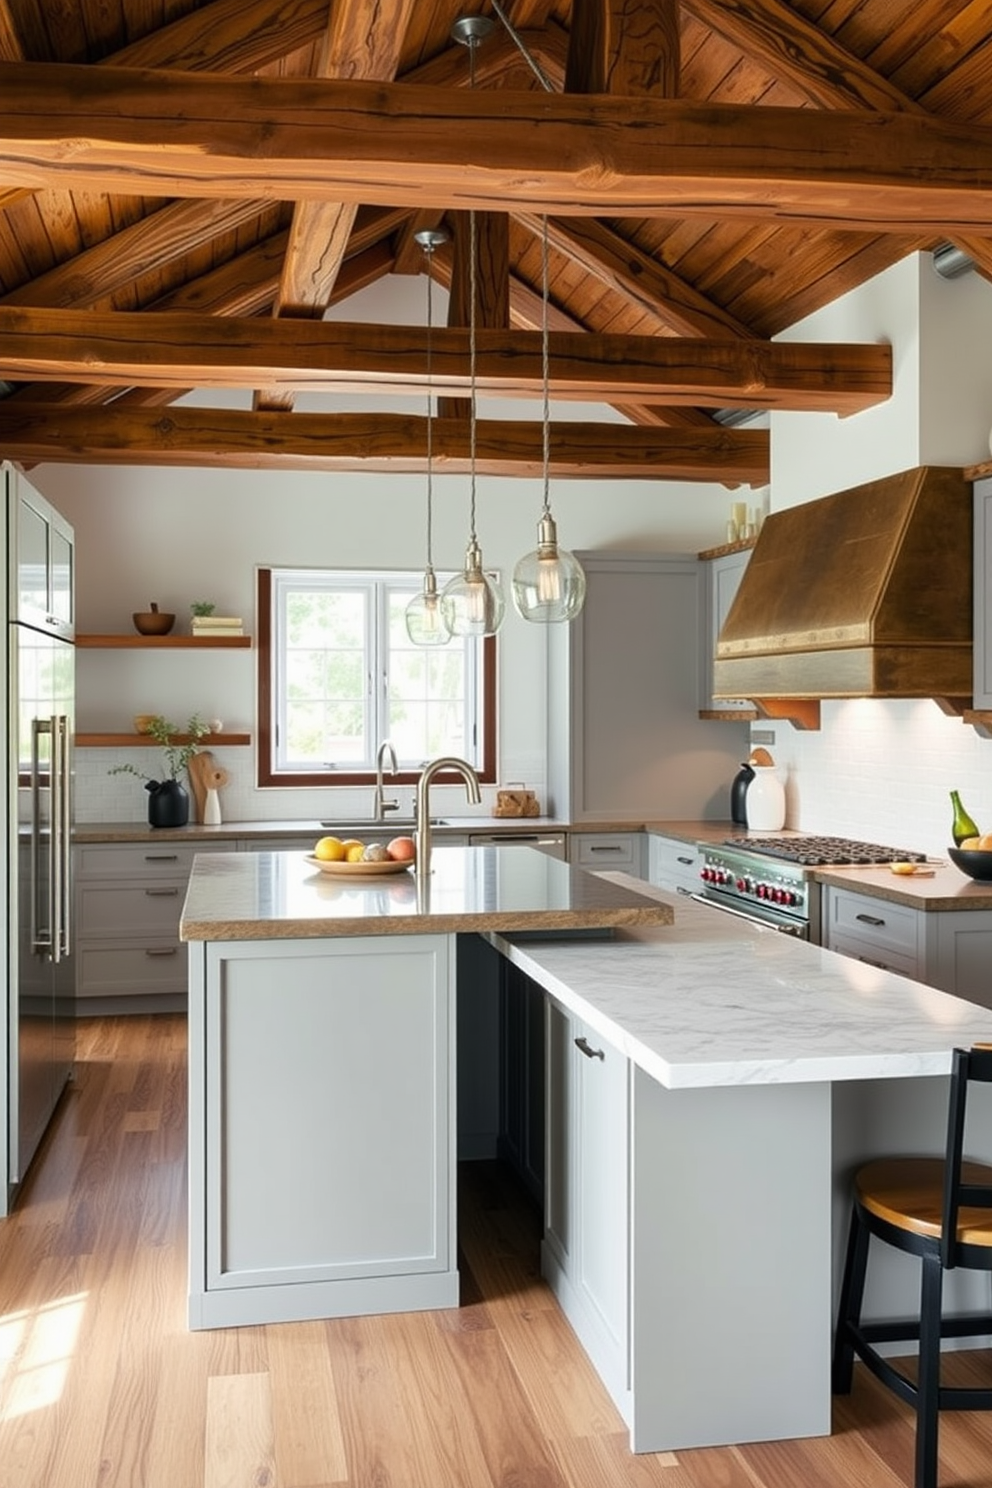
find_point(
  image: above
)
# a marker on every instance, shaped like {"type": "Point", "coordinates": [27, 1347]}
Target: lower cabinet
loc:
{"type": "Point", "coordinates": [587, 1195]}
{"type": "Point", "coordinates": [948, 949]}
{"type": "Point", "coordinates": [322, 1151]}
{"type": "Point", "coordinates": [620, 850]}
{"type": "Point", "coordinates": [128, 901]}
{"type": "Point", "coordinates": [673, 864]}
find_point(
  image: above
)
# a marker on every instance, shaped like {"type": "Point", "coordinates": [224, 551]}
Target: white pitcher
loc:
{"type": "Point", "coordinates": [764, 803]}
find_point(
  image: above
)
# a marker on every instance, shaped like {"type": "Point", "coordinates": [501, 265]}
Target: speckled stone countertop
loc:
{"type": "Point", "coordinates": [716, 1000]}
{"type": "Point", "coordinates": [307, 829]}
{"type": "Point", "coordinates": [948, 888]}
{"type": "Point", "coordinates": [280, 896]}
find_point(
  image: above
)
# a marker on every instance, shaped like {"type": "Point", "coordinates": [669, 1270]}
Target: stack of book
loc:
{"type": "Point", "coordinates": [216, 625]}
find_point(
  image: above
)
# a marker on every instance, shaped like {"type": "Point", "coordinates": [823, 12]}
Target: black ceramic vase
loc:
{"type": "Point", "coordinates": [168, 803]}
{"type": "Point", "coordinates": [738, 795]}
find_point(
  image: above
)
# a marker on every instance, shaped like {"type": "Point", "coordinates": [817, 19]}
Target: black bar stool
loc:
{"type": "Point", "coordinates": [940, 1210]}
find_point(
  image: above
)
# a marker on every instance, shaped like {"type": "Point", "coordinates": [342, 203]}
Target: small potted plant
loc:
{"type": "Point", "coordinates": [168, 803]}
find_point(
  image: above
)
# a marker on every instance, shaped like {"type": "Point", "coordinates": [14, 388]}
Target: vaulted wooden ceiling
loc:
{"type": "Point", "coordinates": [180, 180]}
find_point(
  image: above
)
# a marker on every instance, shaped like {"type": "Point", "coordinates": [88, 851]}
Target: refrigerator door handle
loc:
{"type": "Point", "coordinates": [60, 836]}
{"type": "Point", "coordinates": [41, 937]}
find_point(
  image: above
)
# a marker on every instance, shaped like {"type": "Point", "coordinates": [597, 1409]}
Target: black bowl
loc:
{"type": "Point", "coordinates": [975, 864]}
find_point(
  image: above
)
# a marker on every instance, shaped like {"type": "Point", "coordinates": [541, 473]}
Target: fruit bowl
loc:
{"type": "Point", "coordinates": [976, 864]}
{"type": "Point", "coordinates": [359, 870]}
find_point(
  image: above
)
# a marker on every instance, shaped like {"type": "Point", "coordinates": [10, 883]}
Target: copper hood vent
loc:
{"type": "Point", "coordinates": [866, 593]}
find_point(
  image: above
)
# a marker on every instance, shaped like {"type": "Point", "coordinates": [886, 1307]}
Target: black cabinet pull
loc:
{"type": "Point", "coordinates": [867, 919]}
{"type": "Point", "coordinates": [585, 1048]}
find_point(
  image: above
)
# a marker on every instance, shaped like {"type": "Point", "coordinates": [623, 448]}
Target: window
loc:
{"type": "Point", "coordinates": [338, 675]}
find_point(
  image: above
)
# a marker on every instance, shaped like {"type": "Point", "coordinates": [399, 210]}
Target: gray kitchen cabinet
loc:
{"type": "Point", "coordinates": [620, 850]}
{"type": "Point", "coordinates": [947, 949]}
{"type": "Point", "coordinates": [128, 902]}
{"type": "Point", "coordinates": [983, 595]}
{"type": "Point", "coordinates": [585, 1251]}
{"type": "Point", "coordinates": [625, 740]}
{"type": "Point", "coordinates": [337, 1050]}
{"type": "Point", "coordinates": [673, 865]}
{"type": "Point", "coordinates": [721, 580]}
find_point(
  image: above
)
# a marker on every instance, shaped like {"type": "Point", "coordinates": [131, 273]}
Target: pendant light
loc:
{"type": "Point", "coordinates": [425, 622]}
{"type": "Point", "coordinates": [472, 602]}
{"type": "Point", "coordinates": [549, 584]}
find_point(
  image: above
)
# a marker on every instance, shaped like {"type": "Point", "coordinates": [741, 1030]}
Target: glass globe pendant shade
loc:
{"type": "Point", "coordinates": [472, 603]}
{"type": "Point", "coordinates": [425, 622]}
{"type": "Point", "coordinates": [549, 585]}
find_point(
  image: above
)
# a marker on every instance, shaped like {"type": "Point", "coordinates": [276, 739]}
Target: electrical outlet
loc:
{"type": "Point", "coordinates": [762, 736]}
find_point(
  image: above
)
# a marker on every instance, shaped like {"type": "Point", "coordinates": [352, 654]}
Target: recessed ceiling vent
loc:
{"type": "Point", "coordinates": [866, 593]}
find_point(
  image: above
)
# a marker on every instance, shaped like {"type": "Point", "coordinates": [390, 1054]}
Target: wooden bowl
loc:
{"type": "Point", "coordinates": [153, 622]}
{"type": "Point", "coordinates": [976, 864]}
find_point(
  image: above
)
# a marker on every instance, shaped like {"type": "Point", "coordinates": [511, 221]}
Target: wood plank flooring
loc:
{"type": "Point", "coordinates": [101, 1385]}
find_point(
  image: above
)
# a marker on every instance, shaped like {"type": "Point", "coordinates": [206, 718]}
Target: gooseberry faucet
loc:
{"type": "Point", "coordinates": [423, 829]}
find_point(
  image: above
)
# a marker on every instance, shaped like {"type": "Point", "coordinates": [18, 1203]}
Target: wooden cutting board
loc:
{"type": "Point", "coordinates": [205, 774]}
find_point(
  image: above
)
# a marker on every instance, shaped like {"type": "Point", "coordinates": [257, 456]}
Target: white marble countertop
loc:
{"type": "Point", "coordinates": [281, 896]}
{"type": "Point", "coordinates": [716, 1001]}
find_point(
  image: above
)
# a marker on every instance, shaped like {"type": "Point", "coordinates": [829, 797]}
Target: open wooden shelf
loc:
{"type": "Point", "coordinates": [140, 741]}
{"type": "Point", "coordinates": [164, 643]}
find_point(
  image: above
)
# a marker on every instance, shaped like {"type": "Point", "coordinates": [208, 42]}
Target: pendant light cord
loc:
{"type": "Point", "coordinates": [545, 371]}
{"type": "Point", "coordinates": [429, 250]}
{"type": "Point", "coordinates": [471, 360]}
{"type": "Point", "coordinates": [517, 40]}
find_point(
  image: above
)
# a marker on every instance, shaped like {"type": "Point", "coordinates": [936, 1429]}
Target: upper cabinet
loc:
{"type": "Point", "coordinates": [625, 740]}
{"type": "Point", "coordinates": [983, 595]}
{"type": "Point", "coordinates": [722, 574]}
{"type": "Point", "coordinates": [40, 549]}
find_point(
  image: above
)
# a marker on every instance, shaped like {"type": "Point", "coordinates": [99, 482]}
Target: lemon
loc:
{"type": "Point", "coordinates": [329, 850]}
{"type": "Point", "coordinates": [905, 868]}
{"type": "Point", "coordinates": [353, 850]}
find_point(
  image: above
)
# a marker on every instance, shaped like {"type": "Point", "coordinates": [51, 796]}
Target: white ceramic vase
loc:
{"type": "Point", "coordinates": [211, 808]}
{"type": "Point", "coordinates": [764, 803]}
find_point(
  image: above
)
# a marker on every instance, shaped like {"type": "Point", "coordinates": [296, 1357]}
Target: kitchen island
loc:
{"type": "Point", "coordinates": [695, 1203]}
{"type": "Point", "coordinates": [322, 1069]}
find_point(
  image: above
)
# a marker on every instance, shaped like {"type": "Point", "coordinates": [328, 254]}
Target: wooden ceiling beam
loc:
{"type": "Point", "coordinates": [171, 349]}
{"type": "Point", "coordinates": [376, 442]}
{"type": "Point", "coordinates": [177, 134]}
{"type": "Point", "coordinates": [671, 302]}
{"type": "Point", "coordinates": [357, 43]}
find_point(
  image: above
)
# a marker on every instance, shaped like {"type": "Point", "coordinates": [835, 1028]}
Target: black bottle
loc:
{"type": "Point", "coordinates": [738, 795]}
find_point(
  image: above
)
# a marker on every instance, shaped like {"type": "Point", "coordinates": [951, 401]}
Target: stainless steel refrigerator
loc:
{"type": "Point", "coordinates": [39, 682]}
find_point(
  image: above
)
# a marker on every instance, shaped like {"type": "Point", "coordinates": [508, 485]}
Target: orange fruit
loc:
{"type": "Point", "coordinates": [402, 849]}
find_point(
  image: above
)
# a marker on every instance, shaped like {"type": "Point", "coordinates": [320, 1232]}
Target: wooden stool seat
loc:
{"type": "Point", "coordinates": [908, 1192]}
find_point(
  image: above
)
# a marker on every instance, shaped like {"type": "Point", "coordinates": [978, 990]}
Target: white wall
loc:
{"type": "Point", "coordinates": [176, 535]}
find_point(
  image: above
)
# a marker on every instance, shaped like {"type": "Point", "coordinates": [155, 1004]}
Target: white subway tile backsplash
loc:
{"type": "Point", "coordinates": [882, 771]}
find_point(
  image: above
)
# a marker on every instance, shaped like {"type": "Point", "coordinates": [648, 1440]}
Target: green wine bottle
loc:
{"type": "Point", "coordinates": [962, 826]}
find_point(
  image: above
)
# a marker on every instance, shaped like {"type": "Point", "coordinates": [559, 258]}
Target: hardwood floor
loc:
{"type": "Point", "coordinates": [101, 1385]}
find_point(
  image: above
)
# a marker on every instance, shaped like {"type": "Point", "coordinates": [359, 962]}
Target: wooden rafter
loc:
{"type": "Point", "coordinates": [118, 129]}
{"type": "Point", "coordinates": [175, 349]}
{"type": "Point", "coordinates": [386, 442]}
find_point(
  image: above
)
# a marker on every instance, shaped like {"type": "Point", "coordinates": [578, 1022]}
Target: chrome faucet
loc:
{"type": "Point", "coordinates": [380, 805]}
{"type": "Point", "coordinates": [423, 829]}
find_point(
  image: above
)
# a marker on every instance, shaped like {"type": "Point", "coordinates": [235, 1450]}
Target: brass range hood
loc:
{"type": "Point", "coordinates": [866, 593]}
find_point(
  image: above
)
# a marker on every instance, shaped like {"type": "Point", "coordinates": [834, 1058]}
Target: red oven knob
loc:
{"type": "Point", "coordinates": [742, 886]}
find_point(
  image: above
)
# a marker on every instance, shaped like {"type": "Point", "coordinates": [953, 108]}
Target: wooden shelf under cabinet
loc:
{"type": "Point", "coordinates": [139, 741]}
{"type": "Point", "coordinates": [164, 643]}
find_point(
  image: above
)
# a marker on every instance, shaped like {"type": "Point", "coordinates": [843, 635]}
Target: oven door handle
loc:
{"type": "Point", "coordinates": [753, 919]}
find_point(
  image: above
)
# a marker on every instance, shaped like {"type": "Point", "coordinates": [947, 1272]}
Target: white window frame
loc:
{"type": "Point", "coordinates": [377, 586]}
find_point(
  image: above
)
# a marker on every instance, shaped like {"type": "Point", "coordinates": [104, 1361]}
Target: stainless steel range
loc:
{"type": "Point", "coordinates": [765, 879]}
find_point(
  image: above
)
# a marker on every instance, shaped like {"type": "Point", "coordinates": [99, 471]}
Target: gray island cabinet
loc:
{"type": "Point", "coordinates": [709, 1087]}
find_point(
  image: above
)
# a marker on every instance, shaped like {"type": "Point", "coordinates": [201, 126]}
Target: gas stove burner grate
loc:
{"type": "Point", "coordinates": [824, 851]}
